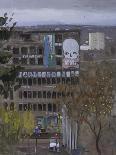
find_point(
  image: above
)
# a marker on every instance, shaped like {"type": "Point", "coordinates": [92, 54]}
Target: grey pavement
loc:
{"type": "Point", "coordinates": [27, 147]}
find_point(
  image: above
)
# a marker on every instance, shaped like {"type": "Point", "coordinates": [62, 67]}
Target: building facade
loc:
{"type": "Point", "coordinates": [49, 58]}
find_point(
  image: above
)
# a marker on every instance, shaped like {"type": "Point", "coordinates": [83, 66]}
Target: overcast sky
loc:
{"type": "Point", "coordinates": [33, 12]}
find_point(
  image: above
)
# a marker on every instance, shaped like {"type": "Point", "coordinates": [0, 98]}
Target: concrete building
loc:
{"type": "Point", "coordinates": [47, 62]}
{"type": "Point", "coordinates": [96, 41]}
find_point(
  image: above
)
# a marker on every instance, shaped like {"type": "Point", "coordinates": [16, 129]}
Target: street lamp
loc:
{"type": "Point", "coordinates": [37, 133]}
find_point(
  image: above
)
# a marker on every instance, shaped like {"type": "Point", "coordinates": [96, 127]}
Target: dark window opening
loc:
{"type": "Point", "coordinates": [59, 61]}
{"type": "Point", "coordinates": [39, 94]}
{"type": "Point", "coordinates": [44, 107]}
{"type": "Point", "coordinates": [54, 95]}
{"type": "Point", "coordinates": [54, 107]}
{"type": "Point", "coordinates": [20, 107]}
{"type": "Point", "coordinates": [34, 94]}
{"type": "Point", "coordinates": [15, 50]}
{"type": "Point", "coordinates": [39, 107]}
{"type": "Point", "coordinates": [16, 60]}
{"type": "Point", "coordinates": [35, 107]}
{"type": "Point", "coordinates": [59, 94]}
{"type": "Point", "coordinates": [48, 94]}
{"type": "Point", "coordinates": [20, 81]}
{"type": "Point", "coordinates": [30, 82]}
{"type": "Point", "coordinates": [32, 61]}
{"type": "Point", "coordinates": [24, 82]}
{"type": "Point", "coordinates": [29, 106]}
{"type": "Point", "coordinates": [39, 81]}
{"type": "Point", "coordinates": [63, 80]}
{"type": "Point", "coordinates": [58, 50]}
{"type": "Point", "coordinates": [58, 80]}
{"type": "Point", "coordinates": [49, 107]}
{"type": "Point", "coordinates": [29, 94]}
{"type": "Point", "coordinates": [43, 80]}
{"type": "Point", "coordinates": [25, 94]}
{"type": "Point", "coordinates": [68, 80]}
{"type": "Point", "coordinates": [44, 94]}
{"type": "Point", "coordinates": [32, 50]}
{"type": "Point", "coordinates": [40, 61]}
{"type": "Point", "coordinates": [58, 38]}
{"type": "Point", "coordinates": [25, 107]}
{"type": "Point", "coordinates": [48, 81]}
{"type": "Point", "coordinates": [24, 50]}
{"type": "Point", "coordinates": [53, 80]}
{"type": "Point", "coordinates": [34, 81]}
{"type": "Point", "coordinates": [40, 51]}
{"type": "Point", "coordinates": [24, 61]}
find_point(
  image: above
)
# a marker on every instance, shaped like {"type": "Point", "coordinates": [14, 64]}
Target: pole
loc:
{"type": "Point", "coordinates": [36, 146]}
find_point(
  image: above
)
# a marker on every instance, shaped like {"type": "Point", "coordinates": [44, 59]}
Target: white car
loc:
{"type": "Point", "coordinates": [54, 145]}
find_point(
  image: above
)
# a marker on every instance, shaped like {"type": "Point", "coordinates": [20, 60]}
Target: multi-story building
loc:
{"type": "Point", "coordinates": [49, 58]}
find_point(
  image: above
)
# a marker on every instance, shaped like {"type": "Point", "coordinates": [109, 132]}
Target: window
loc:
{"type": "Point", "coordinates": [24, 82]}
{"type": "Point", "coordinates": [40, 51]}
{"type": "Point", "coordinates": [44, 107]}
{"type": "Point", "coordinates": [59, 94]}
{"type": "Point", "coordinates": [44, 94]}
{"type": "Point", "coordinates": [40, 61]}
{"type": "Point", "coordinates": [39, 81]}
{"type": "Point", "coordinates": [25, 107]}
{"type": "Point", "coordinates": [25, 94]}
{"type": "Point", "coordinates": [32, 50]}
{"type": "Point", "coordinates": [48, 94]}
{"type": "Point", "coordinates": [32, 61]}
{"type": "Point", "coordinates": [53, 80]}
{"type": "Point", "coordinates": [58, 50]}
{"type": "Point", "coordinates": [54, 107]}
{"type": "Point", "coordinates": [24, 61]}
{"type": "Point", "coordinates": [20, 81]}
{"type": "Point", "coordinates": [58, 80]}
{"type": "Point", "coordinates": [43, 80]}
{"type": "Point", "coordinates": [15, 50]}
{"type": "Point", "coordinates": [48, 81]}
{"type": "Point", "coordinates": [39, 94]}
{"type": "Point", "coordinates": [58, 38]}
{"type": "Point", "coordinates": [34, 94]}
{"type": "Point", "coordinates": [16, 60]}
{"type": "Point", "coordinates": [59, 61]}
{"type": "Point", "coordinates": [29, 94]}
{"type": "Point", "coordinates": [29, 106]}
{"type": "Point", "coordinates": [34, 81]}
{"type": "Point", "coordinates": [54, 95]}
{"type": "Point", "coordinates": [39, 107]}
{"type": "Point", "coordinates": [63, 80]}
{"type": "Point", "coordinates": [30, 82]}
{"type": "Point", "coordinates": [49, 107]}
{"type": "Point", "coordinates": [68, 80]}
{"type": "Point", "coordinates": [34, 107]}
{"type": "Point", "coordinates": [24, 50]}
{"type": "Point", "coordinates": [20, 107]}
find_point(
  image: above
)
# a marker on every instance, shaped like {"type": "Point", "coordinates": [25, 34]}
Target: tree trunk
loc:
{"type": "Point", "coordinates": [97, 146]}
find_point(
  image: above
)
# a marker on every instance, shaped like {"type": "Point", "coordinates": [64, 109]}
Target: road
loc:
{"type": "Point", "coordinates": [27, 147]}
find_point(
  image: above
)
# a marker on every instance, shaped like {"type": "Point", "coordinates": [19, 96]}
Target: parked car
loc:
{"type": "Point", "coordinates": [54, 144]}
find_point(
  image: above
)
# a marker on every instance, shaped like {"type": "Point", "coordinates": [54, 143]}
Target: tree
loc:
{"type": "Point", "coordinates": [91, 99]}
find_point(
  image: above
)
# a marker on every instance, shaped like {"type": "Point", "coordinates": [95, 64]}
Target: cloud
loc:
{"type": "Point", "coordinates": [67, 16]}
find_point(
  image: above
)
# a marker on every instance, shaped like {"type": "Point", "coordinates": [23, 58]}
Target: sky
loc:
{"type": "Point", "coordinates": [78, 12]}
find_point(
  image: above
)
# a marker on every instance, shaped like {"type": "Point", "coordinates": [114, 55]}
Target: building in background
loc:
{"type": "Point", "coordinates": [96, 41]}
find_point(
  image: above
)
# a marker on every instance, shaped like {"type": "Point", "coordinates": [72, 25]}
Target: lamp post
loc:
{"type": "Point", "coordinates": [37, 133]}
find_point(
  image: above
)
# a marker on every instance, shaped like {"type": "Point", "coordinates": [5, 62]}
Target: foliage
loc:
{"type": "Point", "coordinates": [91, 99]}
{"type": "Point", "coordinates": [28, 122]}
